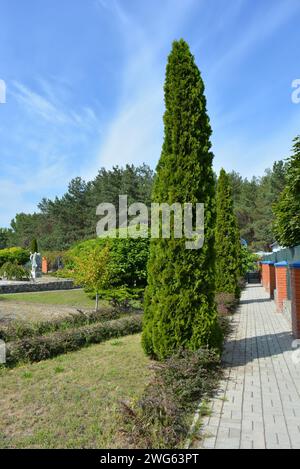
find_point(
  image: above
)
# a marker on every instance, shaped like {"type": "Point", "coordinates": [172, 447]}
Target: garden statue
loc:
{"type": "Point", "coordinates": [36, 263]}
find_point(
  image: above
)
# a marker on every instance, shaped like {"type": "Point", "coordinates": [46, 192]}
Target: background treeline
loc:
{"type": "Point", "coordinates": [61, 222]}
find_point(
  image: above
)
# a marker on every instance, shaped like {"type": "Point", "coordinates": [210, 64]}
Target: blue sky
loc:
{"type": "Point", "coordinates": [85, 86]}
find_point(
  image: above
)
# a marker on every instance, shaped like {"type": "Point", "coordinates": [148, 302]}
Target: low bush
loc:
{"type": "Point", "coordinates": [18, 255]}
{"type": "Point", "coordinates": [32, 349]}
{"type": "Point", "coordinates": [159, 418]}
{"type": "Point", "coordinates": [13, 271]}
{"type": "Point", "coordinates": [226, 303]}
{"type": "Point", "coordinates": [20, 329]}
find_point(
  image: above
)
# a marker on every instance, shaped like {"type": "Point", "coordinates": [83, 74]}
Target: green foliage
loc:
{"type": "Point", "coordinates": [179, 300]}
{"type": "Point", "coordinates": [248, 260]}
{"type": "Point", "coordinates": [91, 270]}
{"type": "Point", "coordinates": [228, 244]}
{"type": "Point", "coordinates": [18, 255]}
{"type": "Point", "coordinates": [287, 210]}
{"type": "Point", "coordinates": [13, 271]}
{"type": "Point", "coordinates": [127, 259]}
{"type": "Point", "coordinates": [5, 235]}
{"type": "Point", "coordinates": [34, 246]}
{"type": "Point", "coordinates": [36, 348]}
{"type": "Point", "coordinates": [159, 418]}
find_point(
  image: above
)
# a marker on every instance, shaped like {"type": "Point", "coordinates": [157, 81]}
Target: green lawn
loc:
{"type": "Point", "coordinates": [72, 401]}
{"type": "Point", "coordinates": [76, 298]}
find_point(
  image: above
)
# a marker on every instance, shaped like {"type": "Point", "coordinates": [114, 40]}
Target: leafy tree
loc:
{"type": "Point", "coordinates": [287, 209]}
{"type": "Point", "coordinates": [179, 301]}
{"type": "Point", "coordinates": [227, 239]}
{"type": "Point", "coordinates": [248, 260]}
{"type": "Point", "coordinates": [92, 270]}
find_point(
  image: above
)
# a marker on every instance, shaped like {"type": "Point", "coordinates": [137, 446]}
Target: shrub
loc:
{"type": "Point", "coordinates": [32, 349]}
{"type": "Point", "coordinates": [159, 418]}
{"type": "Point", "coordinates": [226, 303]}
{"type": "Point", "coordinates": [127, 259]}
{"type": "Point", "coordinates": [13, 271]}
{"type": "Point", "coordinates": [18, 255]}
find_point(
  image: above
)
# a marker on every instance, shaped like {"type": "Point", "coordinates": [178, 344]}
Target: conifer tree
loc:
{"type": "Point", "coordinates": [228, 246]}
{"type": "Point", "coordinates": [179, 301]}
{"type": "Point", "coordinates": [287, 209]}
{"type": "Point", "coordinates": [34, 245]}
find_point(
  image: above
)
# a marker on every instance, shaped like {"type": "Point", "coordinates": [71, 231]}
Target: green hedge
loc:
{"type": "Point", "coordinates": [18, 255]}
{"type": "Point", "coordinates": [21, 329]}
{"type": "Point", "coordinates": [32, 349]}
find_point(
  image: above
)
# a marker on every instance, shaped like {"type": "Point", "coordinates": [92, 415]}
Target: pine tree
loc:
{"type": "Point", "coordinates": [287, 209]}
{"type": "Point", "coordinates": [227, 239]}
{"type": "Point", "coordinates": [179, 301]}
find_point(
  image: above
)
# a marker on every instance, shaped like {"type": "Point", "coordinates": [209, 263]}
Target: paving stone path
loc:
{"type": "Point", "coordinates": [258, 405]}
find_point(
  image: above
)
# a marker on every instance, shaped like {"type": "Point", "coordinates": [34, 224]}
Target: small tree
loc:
{"type": "Point", "coordinates": [92, 270]}
{"type": "Point", "coordinates": [34, 246]}
{"type": "Point", "coordinates": [287, 209]}
{"type": "Point", "coordinates": [228, 247]}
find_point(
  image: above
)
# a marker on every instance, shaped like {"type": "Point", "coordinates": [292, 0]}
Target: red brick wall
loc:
{"type": "Point", "coordinates": [281, 286]}
{"type": "Point", "coordinates": [295, 286]}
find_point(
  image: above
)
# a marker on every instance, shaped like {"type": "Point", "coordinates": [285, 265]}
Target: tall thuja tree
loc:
{"type": "Point", "coordinates": [287, 209]}
{"type": "Point", "coordinates": [228, 247]}
{"type": "Point", "coordinates": [179, 300]}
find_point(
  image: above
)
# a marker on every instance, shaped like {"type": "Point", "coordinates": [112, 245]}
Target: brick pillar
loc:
{"type": "Point", "coordinates": [268, 275]}
{"type": "Point", "coordinates": [264, 274]}
{"type": "Point", "coordinates": [295, 289]}
{"type": "Point", "coordinates": [272, 279]}
{"type": "Point", "coordinates": [281, 283]}
{"type": "Point", "coordinates": [44, 265]}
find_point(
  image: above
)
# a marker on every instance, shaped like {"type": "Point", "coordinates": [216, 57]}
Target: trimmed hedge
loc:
{"type": "Point", "coordinates": [19, 255]}
{"type": "Point", "coordinates": [33, 349]}
{"type": "Point", "coordinates": [20, 329]}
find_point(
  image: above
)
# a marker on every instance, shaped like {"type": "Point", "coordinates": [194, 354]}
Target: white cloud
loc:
{"type": "Point", "coordinates": [258, 30]}
{"type": "Point", "coordinates": [135, 134]}
{"type": "Point", "coordinates": [50, 108]}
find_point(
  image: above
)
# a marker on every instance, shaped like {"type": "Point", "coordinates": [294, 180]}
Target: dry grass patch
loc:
{"type": "Point", "coordinates": [72, 401]}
